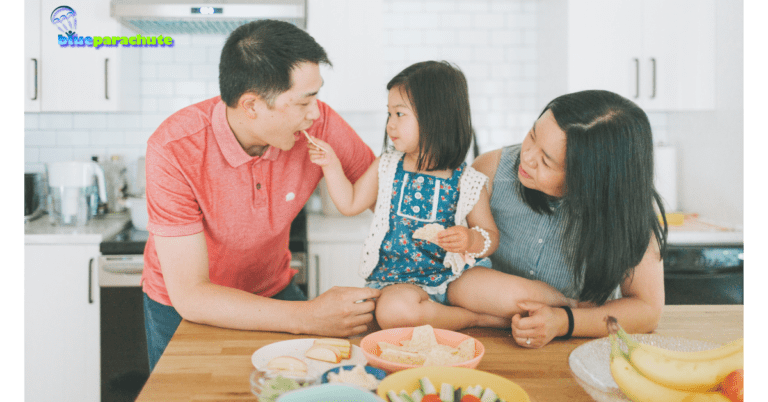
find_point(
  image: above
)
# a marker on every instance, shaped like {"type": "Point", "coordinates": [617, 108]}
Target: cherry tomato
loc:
{"type": "Point", "coordinates": [470, 398]}
{"type": "Point", "coordinates": [733, 386]}
{"type": "Point", "coordinates": [430, 398]}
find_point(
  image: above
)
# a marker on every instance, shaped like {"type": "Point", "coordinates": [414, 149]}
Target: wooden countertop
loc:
{"type": "Point", "coordinates": [214, 364]}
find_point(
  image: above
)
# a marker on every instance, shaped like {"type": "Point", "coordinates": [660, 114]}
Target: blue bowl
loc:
{"type": "Point", "coordinates": [378, 373]}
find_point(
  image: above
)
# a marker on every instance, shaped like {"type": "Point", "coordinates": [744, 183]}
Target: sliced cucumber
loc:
{"type": "Point", "coordinates": [404, 396]}
{"type": "Point", "coordinates": [488, 396]}
{"type": "Point", "coordinates": [446, 392]}
{"type": "Point", "coordinates": [426, 386]}
{"type": "Point", "coordinates": [417, 395]}
{"type": "Point", "coordinates": [393, 396]}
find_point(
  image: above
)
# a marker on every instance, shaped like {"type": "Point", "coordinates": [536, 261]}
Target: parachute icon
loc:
{"type": "Point", "coordinates": [65, 18]}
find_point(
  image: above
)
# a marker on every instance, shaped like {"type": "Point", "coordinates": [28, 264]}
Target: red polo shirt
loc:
{"type": "Point", "coordinates": [199, 179]}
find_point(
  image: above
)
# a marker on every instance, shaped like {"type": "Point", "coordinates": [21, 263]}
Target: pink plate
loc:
{"type": "Point", "coordinates": [371, 350]}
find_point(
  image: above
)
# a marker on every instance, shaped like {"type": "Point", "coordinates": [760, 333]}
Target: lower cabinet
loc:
{"type": "Point", "coordinates": [335, 251]}
{"type": "Point", "coordinates": [61, 322]}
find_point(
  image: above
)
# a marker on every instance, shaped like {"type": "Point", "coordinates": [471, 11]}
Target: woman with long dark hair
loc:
{"type": "Point", "coordinates": [576, 208]}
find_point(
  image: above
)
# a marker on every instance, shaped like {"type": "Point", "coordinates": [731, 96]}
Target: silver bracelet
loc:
{"type": "Point", "coordinates": [486, 242]}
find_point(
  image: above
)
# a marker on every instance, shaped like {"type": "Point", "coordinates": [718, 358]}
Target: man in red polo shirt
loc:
{"type": "Point", "coordinates": [225, 179]}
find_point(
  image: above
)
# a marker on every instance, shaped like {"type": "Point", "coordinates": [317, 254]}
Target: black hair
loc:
{"type": "Point", "coordinates": [609, 191]}
{"type": "Point", "coordinates": [259, 56]}
{"type": "Point", "coordinates": [438, 92]}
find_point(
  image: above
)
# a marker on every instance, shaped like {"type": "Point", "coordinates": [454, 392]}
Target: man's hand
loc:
{"type": "Point", "coordinates": [341, 312]}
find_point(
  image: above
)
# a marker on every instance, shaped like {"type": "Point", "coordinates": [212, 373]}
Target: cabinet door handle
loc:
{"type": "Point", "coordinates": [317, 275]}
{"type": "Point", "coordinates": [637, 77]}
{"type": "Point", "coordinates": [90, 281]}
{"type": "Point", "coordinates": [653, 78]}
{"type": "Point", "coordinates": [35, 97]}
{"type": "Point", "coordinates": [106, 79]}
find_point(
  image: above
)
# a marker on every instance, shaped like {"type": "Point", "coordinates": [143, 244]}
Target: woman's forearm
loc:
{"type": "Point", "coordinates": [634, 315]}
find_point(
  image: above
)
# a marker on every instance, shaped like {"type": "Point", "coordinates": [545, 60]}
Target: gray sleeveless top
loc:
{"type": "Point", "coordinates": [531, 243]}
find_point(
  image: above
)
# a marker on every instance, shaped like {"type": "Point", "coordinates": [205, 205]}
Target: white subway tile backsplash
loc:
{"type": "Point", "coordinates": [39, 138]}
{"type": "Point", "coordinates": [190, 88]}
{"type": "Point", "coordinates": [31, 121]}
{"type": "Point", "coordinates": [492, 41]}
{"type": "Point", "coordinates": [157, 88]}
{"type": "Point", "coordinates": [90, 120]}
{"type": "Point", "coordinates": [72, 138]}
{"type": "Point", "coordinates": [488, 20]}
{"type": "Point", "coordinates": [55, 121]}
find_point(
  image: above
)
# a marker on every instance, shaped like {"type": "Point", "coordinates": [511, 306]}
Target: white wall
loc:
{"type": "Point", "coordinates": [493, 41]}
{"type": "Point", "coordinates": [710, 145]}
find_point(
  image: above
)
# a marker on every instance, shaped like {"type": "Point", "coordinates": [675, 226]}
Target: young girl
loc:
{"type": "Point", "coordinates": [424, 180]}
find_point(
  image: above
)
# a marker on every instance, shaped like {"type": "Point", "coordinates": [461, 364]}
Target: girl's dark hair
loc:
{"type": "Point", "coordinates": [609, 192]}
{"type": "Point", "coordinates": [259, 56]}
{"type": "Point", "coordinates": [438, 92]}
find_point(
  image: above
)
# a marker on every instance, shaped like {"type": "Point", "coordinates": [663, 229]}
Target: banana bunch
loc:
{"type": "Point", "coordinates": [650, 374]}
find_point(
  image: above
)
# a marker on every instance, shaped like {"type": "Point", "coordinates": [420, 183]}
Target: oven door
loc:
{"type": "Point", "coordinates": [124, 361]}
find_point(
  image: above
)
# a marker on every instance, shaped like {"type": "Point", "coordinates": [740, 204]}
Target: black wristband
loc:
{"type": "Point", "coordinates": [570, 323]}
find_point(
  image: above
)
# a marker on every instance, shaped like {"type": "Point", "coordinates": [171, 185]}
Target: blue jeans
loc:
{"type": "Point", "coordinates": [161, 321]}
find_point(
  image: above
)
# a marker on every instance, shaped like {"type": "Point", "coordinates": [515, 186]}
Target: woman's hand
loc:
{"type": "Point", "coordinates": [322, 157]}
{"type": "Point", "coordinates": [455, 239]}
{"type": "Point", "coordinates": [539, 327]}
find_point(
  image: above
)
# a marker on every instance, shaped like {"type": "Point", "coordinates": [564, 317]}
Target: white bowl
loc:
{"type": "Point", "coordinates": [139, 214]}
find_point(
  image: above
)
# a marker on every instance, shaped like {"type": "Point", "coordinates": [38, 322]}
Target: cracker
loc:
{"type": "Point", "coordinates": [428, 232]}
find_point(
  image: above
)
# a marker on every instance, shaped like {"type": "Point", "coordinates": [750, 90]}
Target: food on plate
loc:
{"type": "Point", "coordinates": [344, 346]}
{"type": "Point", "coordinates": [423, 349]}
{"type": "Point", "coordinates": [274, 387]}
{"type": "Point", "coordinates": [448, 393]}
{"type": "Point", "coordinates": [356, 376]}
{"type": "Point", "coordinates": [289, 365]}
{"type": "Point", "coordinates": [325, 353]}
{"type": "Point", "coordinates": [644, 374]}
{"type": "Point", "coordinates": [428, 232]}
{"type": "Point", "coordinates": [733, 386]}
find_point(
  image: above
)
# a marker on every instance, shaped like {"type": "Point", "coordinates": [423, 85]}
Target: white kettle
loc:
{"type": "Point", "coordinates": [75, 191]}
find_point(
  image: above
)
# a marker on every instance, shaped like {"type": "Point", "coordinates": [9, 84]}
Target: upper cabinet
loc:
{"type": "Point", "coordinates": [659, 54]}
{"type": "Point", "coordinates": [77, 78]}
{"type": "Point", "coordinates": [350, 31]}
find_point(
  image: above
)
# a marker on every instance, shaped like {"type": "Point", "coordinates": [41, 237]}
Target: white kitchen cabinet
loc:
{"type": "Point", "coordinates": [660, 54]}
{"type": "Point", "coordinates": [350, 31]}
{"type": "Point", "coordinates": [78, 78]}
{"type": "Point", "coordinates": [335, 251]}
{"type": "Point", "coordinates": [61, 323]}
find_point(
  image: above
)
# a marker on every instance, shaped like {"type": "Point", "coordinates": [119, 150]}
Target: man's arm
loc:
{"type": "Point", "coordinates": [184, 263]}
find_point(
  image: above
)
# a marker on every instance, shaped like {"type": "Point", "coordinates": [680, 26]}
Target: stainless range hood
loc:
{"type": "Point", "coordinates": [165, 17]}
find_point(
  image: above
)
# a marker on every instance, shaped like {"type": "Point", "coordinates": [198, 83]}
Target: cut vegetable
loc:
{"type": "Point", "coordinates": [446, 392]}
{"type": "Point", "coordinates": [417, 395]}
{"type": "Point", "coordinates": [404, 396]}
{"type": "Point", "coordinates": [488, 396]}
{"type": "Point", "coordinates": [426, 386]}
{"type": "Point", "coordinates": [393, 396]}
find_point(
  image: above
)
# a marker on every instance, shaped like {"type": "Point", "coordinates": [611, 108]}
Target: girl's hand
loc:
{"type": "Point", "coordinates": [456, 239]}
{"type": "Point", "coordinates": [539, 325]}
{"type": "Point", "coordinates": [319, 156]}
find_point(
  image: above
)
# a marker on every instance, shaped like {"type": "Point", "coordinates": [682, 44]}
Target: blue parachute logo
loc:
{"type": "Point", "coordinates": [65, 19]}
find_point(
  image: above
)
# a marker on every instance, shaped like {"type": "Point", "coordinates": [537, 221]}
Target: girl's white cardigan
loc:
{"type": "Point", "coordinates": [470, 184]}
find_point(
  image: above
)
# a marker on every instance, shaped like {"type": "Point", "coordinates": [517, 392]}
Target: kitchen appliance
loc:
{"type": "Point", "coordinates": [704, 274]}
{"type": "Point", "coordinates": [75, 190]}
{"type": "Point", "coordinates": [152, 17]}
{"type": "Point", "coordinates": [34, 196]}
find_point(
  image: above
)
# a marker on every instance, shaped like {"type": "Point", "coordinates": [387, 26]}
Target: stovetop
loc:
{"type": "Point", "coordinates": [128, 241]}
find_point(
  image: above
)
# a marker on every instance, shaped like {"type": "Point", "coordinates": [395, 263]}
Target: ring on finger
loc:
{"type": "Point", "coordinates": [528, 341]}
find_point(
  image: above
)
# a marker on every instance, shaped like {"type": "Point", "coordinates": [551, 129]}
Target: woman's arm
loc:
{"type": "Point", "coordinates": [638, 311]}
{"type": "Point", "coordinates": [350, 199]}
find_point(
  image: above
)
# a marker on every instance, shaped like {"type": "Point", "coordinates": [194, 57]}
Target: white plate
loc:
{"type": "Point", "coordinates": [590, 363]}
{"type": "Point", "coordinates": [296, 348]}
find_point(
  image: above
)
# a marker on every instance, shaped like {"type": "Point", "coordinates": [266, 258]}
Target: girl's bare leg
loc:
{"type": "Point", "coordinates": [406, 305]}
{"type": "Point", "coordinates": [487, 291]}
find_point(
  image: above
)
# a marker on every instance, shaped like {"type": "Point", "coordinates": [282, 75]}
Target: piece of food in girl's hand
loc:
{"type": "Point", "coordinates": [428, 232]}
